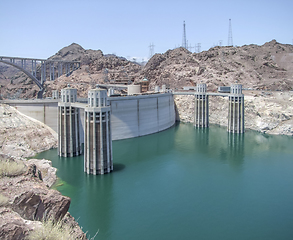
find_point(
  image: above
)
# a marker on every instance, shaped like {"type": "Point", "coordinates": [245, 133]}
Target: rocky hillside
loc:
{"type": "Point", "coordinates": [266, 67]}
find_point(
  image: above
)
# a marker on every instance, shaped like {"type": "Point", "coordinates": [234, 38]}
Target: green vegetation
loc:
{"type": "Point", "coordinates": [11, 168]}
{"type": "Point", "coordinates": [3, 200]}
{"type": "Point", "coordinates": [58, 183]}
{"type": "Point", "coordinates": [52, 230]}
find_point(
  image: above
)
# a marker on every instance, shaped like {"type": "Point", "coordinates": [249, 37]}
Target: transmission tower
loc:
{"type": "Point", "coordinates": [151, 53]}
{"type": "Point", "coordinates": [230, 39]}
{"type": "Point", "coordinates": [184, 42]}
{"type": "Point", "coordinates": [197, 48]}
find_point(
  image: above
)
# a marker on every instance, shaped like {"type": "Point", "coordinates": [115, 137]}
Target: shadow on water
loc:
{"type": "Point", "coordinates": [118, 167]}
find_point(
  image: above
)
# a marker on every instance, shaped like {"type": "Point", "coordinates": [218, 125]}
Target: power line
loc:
{"type": "Point", "coordinates": [230, 39]}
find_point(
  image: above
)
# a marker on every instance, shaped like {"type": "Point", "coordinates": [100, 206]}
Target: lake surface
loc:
{"type": "Point", "coordinates": [186, 183]}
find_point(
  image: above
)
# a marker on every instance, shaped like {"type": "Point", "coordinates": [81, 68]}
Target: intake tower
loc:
{"type": "Point", "coordinates": [68, 124]}
{"type": "Point", "coordinates": [236, 109]}
{"type": "Point", "coordinates": [201, 106]}
{"type": "Point", "coordinates": [97, 133]}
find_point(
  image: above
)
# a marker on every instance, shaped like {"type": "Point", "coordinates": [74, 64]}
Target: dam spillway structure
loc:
{"type": "Point", "coordinates": [97, 133]}
{"type": "Point", "coordinates": [68, 124]}
{"type": "Point", "coordinates": [201, 106]}
{"type": "Point", "coordinates": [236, 109]}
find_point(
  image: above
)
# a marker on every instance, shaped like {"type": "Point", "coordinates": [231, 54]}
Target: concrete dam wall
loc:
{"type": "Point", "coordinates": [135, 116]}
{"type": "Point", "coordinates": [131, 116]}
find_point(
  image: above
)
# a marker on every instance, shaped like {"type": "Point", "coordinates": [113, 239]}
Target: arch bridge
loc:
{"type": "Point", "coordinates": [40, 70]}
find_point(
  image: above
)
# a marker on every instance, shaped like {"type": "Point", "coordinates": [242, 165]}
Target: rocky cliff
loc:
{"type": "Point", "coordinates": [25, 197]}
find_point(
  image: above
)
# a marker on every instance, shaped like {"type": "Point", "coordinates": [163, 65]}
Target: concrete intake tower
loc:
{"type": "Point", "coordinates": [97, 133]}
{"type": "Point", "coordinates": [201, 106]}
{"type": "Point", "coordinates": [68, 124]}
{"type": "Point", "coordinates": [236, 109]}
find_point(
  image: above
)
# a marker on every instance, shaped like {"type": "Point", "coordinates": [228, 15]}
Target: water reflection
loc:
{"type": "Point", "coordinates": [151, 146]}
{"type": "Point", "coordinates": [211, 143]}
{"type": "Point", "coordinates": [236, 152]}
{"type": "Point", "coordinates": [98, 194]}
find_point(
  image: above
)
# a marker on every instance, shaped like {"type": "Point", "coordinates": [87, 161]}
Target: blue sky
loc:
{"type": "Point", "coordinates": [39, 29]}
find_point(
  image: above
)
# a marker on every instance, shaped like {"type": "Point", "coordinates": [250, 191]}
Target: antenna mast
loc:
{"type": "Point", "coordinates": [230, 39]}
{"type": "Point", "coordinates": [184, 42]}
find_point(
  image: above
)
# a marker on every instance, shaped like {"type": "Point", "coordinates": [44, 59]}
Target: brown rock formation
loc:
{"type": "Point", "coordinates": [29, 201]}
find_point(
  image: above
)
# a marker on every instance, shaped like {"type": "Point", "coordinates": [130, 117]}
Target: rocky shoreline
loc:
{"type": "Point", "coordinates": [26, 198]}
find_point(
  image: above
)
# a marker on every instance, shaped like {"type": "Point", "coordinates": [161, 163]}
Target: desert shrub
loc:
{"type": "Point", "coordinates": [11, 168]}
{"type": "Point", "coordinates": [51, 230]}
{"type": "Point", "coordinates": [3, 200]}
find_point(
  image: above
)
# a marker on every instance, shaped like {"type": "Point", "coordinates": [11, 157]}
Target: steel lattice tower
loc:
{"type": "Point", "coordinates": [184, 42]}
{"type": "Point", "coordinates": [151, 53]}
{"type": "Point", "coordinates": [230, 39]}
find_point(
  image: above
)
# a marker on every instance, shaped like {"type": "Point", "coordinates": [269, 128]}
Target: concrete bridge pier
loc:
{"type": "Point", "coordinates": [97, 134]}
{"type": "Point", "coordinates": [68, 124]}
{"type": "Point", "coordinates": [201, 106]}
{"type": "Point", "coordinates": [43, 72]}
{"type": "Point", "coordinates": [236, 109]}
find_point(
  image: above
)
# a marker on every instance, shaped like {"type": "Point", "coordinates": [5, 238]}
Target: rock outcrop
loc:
{"type": "Point", "coordinates": [30, 201]}
{"type": "Point", "coordinates": [22, 136]}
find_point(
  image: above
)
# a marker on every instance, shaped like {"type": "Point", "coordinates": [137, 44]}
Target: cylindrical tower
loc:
{"type": "Point", "coordinates": [201, 106]}
{"type": "Point", "coordinates": [68, 124]}
{"type": "Point", "coordinates": [97, 134]}
{"type": "Point", "coordinates": [55, 94]}
{"type": "Point", "coordinates": [236, 109]}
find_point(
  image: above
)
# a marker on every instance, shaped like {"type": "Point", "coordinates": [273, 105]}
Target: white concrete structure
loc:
{"type": "Point", "coordinates": [135, 116]}
{"type": "Point", "coordinates": [201, 106]}
{"type": "Point", "coordinates": [68, 124]}
{"type": "Point", "coordinates": [97, 133]}
{"type": "Point", "coordinates": [133, 89]}
{"type": "Point", "coordinates": [236, 109]}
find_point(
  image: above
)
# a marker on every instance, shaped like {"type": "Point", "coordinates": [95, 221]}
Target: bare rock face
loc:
{"type": "Point", "coordinates": [22, 136]}
{"type": "Point", "coordinates": [13, 226]}
{"type": "Point", "coordinates": [265, 67]}
{"type": "Point", "coordinates": [48, 173]}
{"type": "Point", "coordinates": [30, 201]}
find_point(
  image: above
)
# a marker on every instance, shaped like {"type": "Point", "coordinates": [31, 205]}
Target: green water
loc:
{"type": "Point", "coordinates": [186, 183]}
